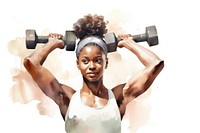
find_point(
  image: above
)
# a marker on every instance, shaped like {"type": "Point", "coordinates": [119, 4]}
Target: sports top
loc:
{"type": "Point", "coordinates": [81, 118]}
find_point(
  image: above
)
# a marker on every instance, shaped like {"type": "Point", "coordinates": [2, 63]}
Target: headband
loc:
{"type": "Point", "coordinates": [91, 39]}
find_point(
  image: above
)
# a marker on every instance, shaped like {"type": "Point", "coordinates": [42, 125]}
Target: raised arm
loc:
{"type": "Point", "coordinates": [44, 78]}
{"type": "Point", "coordinates": [143, 79]}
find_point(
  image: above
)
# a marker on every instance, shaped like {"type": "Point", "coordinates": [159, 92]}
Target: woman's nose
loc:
{"type": "Point", "coordinates": [92, 65]}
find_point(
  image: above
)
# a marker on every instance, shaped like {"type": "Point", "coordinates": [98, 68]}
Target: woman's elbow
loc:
{"type": "Point", "coordinates": [26, 62]}
{"type": "Point", "coordinates": [159, 65]}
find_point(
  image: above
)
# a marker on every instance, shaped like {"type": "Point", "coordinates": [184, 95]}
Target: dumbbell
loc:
{"type": "Point", "coordinates": [32, 39]}
{"type": "Point", "coordinates": [150, 36]}
{"type": "Point", "coordinates": [111, 40]}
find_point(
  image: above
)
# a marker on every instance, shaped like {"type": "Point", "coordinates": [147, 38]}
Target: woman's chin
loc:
{"type": "Point", "coordinates": [92, 79]}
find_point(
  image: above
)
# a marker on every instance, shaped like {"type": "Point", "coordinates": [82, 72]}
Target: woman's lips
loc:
{"type": "Point", "coordinates": [92, 74]}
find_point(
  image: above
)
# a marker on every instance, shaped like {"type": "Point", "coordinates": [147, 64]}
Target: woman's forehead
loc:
{"type": "Point", "coordinates": [91, 51]}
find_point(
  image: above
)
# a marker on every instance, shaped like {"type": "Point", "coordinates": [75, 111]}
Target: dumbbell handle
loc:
{"type": "Point", "coordinates": [45, 39]}
{"type": "Point", "coordinates": [139, 38]}
{"type": "Point", "coordinates": [136, 38]}
{"type": "Point", "coordinates": [42, 39]}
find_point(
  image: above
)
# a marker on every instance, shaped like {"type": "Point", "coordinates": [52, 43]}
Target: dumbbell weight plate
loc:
{"type": "Point", "coordinates": [152, 37]}
{"type": "Point", "coordinates": [30, 39]}
{"type": "Point", "coordinates": [111, 42]}
{"type": "Point", "coordinates": [70, 40]}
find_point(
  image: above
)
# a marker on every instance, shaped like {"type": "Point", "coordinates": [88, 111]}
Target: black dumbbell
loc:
{"type": "Point", "coordinates": [150, 36]}
{"type": "Point", "coordinates": [32, 39]}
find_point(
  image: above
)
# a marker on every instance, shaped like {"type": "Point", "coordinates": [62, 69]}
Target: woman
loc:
{"type": "Point", "coordinates": [95, 108]}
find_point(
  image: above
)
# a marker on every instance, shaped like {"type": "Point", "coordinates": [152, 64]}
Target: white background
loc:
{"type": "Point", "coordinates": [173, 103]}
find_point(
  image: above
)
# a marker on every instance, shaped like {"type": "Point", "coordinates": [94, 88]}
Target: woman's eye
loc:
{"type": "Point", "coordinates": [85, 61]}
{"type": "Point", "coordinates": [98, 61]}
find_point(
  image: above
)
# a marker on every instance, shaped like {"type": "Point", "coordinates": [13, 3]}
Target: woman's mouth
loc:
{"type": "Point", "coordinates": [92, 74]}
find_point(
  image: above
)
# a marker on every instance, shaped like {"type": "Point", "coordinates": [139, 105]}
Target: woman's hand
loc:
{"type": "Point", "coordinates": [124, 38]}
{"type": "Point", "coordinates": [56, 39]}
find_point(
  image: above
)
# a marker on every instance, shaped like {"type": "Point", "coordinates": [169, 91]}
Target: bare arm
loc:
{"type": "Point", "coordinates": [44, 78]}
{"type": "Point", "coordinates": [142, 80]}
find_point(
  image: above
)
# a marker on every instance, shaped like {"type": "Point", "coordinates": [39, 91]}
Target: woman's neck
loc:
{"type": "Point", "coordinates": [96, 88]}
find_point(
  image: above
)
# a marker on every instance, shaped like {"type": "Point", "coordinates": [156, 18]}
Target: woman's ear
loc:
{"type": "Point", "coordinates": [77, 63]}
{"type": "Point", "coordinates": [106, 63]}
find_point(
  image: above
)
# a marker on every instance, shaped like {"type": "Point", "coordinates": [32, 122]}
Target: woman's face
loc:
{"type": "Point", "coordinates": [92, 62]}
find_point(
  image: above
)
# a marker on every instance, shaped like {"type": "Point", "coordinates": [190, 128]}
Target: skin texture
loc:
{"type": "Point", "coordinates": [92, 62]}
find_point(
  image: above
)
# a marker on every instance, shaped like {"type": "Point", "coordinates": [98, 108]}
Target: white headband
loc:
{"type": "Point", "coordinates": [91, 39]}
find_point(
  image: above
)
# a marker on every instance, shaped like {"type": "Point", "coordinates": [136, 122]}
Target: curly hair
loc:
{"type": "Point", "coordinates": [90, 25]}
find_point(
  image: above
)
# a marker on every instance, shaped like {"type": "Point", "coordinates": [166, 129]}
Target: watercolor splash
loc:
{"type": "Point", "coordinates": [62, 65]}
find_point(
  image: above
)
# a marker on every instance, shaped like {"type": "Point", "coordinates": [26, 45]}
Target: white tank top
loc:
{"type": "Point", "coordinates": [81, 118]}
